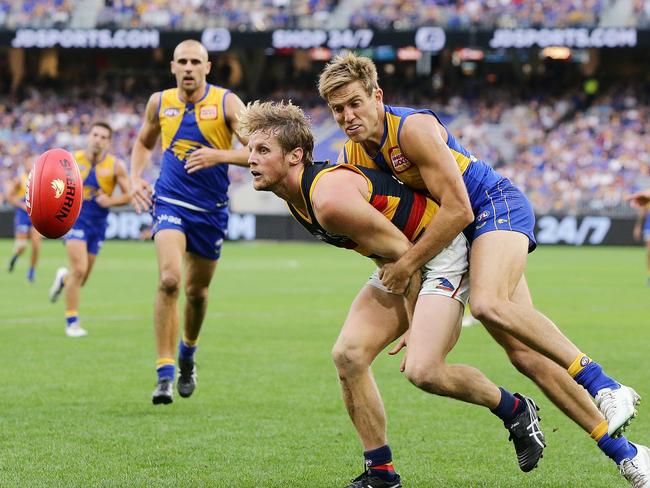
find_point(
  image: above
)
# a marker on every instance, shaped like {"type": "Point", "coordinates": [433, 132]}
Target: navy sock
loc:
{"type": "Point", "coordinates": [617, 449]}
{"type": "Point", "coordinates": [509, 406]}
{"type": "Point", "coordinates": [165, 368]}
{"type": "Point", "coordinates": [185, 351]}
{"type": "Point", "coordinates": [593, 379]}
{"type": "Point", "coordinates": [380, 462]}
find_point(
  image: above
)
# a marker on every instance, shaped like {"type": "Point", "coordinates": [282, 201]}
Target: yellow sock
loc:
{"type": "Point", "coordinates": [599, 431]}
{"type": "Point", "coordinates": [578, 364]}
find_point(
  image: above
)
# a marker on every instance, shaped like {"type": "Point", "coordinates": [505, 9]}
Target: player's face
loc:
{"type": "Point", "coordinates": [266, 162]}
{"type": "Point", "coordinates": [190, 67]}
{"type": "Point", "coordinates": [356, 112]}
{"type": "Point", "coordinates": [99, 139]}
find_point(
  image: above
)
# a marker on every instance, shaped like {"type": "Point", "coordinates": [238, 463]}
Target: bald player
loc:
{"type": "Point", "coordinates": [189, 203]}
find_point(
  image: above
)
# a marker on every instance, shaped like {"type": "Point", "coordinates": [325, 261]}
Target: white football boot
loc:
{"type": "Point", "coordinates": [58, 284]}
{"type": "Point", "coordinates": [637, 469]}
{"type": "Point", "coordinates": [75, 330]}
{"type": "Point", "coordinates": [618, 407]}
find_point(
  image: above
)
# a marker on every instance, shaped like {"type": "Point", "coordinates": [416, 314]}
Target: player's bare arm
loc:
{"type": "Point", "coordinates": [639, 199]}
{"type": "Point", "coordinates": [423, 144]}
{"type": "Point", "coordinates": [141, 190]}
{"type": "Point", "coordinates": [122, 179]}
{"type": "Point", "coordinates": [206, 157]}
{"type": "Point", "coordinates": [341, 206]}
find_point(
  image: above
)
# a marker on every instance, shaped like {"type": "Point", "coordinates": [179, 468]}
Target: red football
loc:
{"type": "Point", "coordinates": [54, 193]}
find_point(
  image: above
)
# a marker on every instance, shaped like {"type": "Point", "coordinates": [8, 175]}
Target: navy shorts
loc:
{"type": "Point", "coordinates": [204, 231]}
{"type": "Point", "coordinates": [22, 223]}
{"type": "Point", "coordinates": [503, 207]}
{"type": "Point", "coordinates": [93, 234]}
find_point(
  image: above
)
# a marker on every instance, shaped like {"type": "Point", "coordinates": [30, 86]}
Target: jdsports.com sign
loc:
{"type": "Point", "coordinates": [578, 38]}
{"type": "Point", "coordinates": [87, 38]}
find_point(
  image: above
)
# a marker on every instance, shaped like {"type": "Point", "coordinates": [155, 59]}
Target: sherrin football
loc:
{"type": "Point", "coordinates": [54, 193]}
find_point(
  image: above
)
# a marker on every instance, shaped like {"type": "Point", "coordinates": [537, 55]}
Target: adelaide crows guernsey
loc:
{"type": "Point", "coordinates": [390, 158]}
{"type": "Point", "coordinates": [409, 211]}
{"type": "Point", "coordinates": [186, 127]}
{"type": "Point", "coordinates": [96, 177]}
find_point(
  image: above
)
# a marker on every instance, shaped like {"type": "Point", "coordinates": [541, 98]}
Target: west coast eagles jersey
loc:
{"type": "Point", "coordinates": [186, 127]}
{"type": "Point", "coordinates": [477, 175]}
{"type": "Point", "coordinates": [100, 176]}
{"type": "Point", "coordinates": [409, 211]}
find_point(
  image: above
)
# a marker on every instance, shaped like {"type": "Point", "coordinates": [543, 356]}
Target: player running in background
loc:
{"type": "Point", "coordinates": [23, 228]}
{"type": "Point", "coordinates": [416, 147]}
{"type": "Point", "coordinates": [101, 173]}
{"type": "Point", "coordinates": [372, 213]}
{"type": "Point", "coordinates": [197, 122]}
{"type": "Point", "coordinates": [642, 232]}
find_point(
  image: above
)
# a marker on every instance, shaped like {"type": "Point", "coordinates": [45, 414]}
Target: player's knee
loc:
{"type": "Point", "coordinates": [78, 274]}
{"type": "Point", "coordinates": [169, 283]}
{"type": "Point", "coordinates": [430, 378]}
{"type": "Point", "coordinates": [196, 296]}
{"type": "Point", "coordinates": [485, 309]}
{"type": "Point", "coordinates": [349, 359]}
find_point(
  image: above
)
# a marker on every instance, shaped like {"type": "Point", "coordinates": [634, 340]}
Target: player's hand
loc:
{"type": "Point", "coordinates": [639, 199]}
{"type": "Point", "coordinates": [401, 344]}
{"type": "Point", "coordinates": [395, 277]}
{"type": "Point", "coordinates": [141, 192]}
{"type": "Point", "coordinates": [103, 200]}
{"type": "Point", "coordinates": [204, 157]}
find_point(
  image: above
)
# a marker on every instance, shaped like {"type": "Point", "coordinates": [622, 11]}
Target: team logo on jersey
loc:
{"type": "Point", "coordinates": [398, 160]}
{"type": "Point", "coordinates": [182, 148]}
{"type": "Point", "coordinates": [483, 215]}
{"type": "Point", "coordinates": [208, 112]}
{"type": "Point", "coordinates": [58, 186]}
{"type": "Point", "coordinates": [445, 285]}
{"type": "Point", "coordinates": [584, 361]}
{"type": "Point", "coordinates": [171, 112]}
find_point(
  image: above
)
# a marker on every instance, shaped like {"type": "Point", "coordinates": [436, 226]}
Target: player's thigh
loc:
{"type": "Point", "coordinates": [435, 329]}
{"type": "Point", "coordinates": [77, 250]}
{"type": "Point", "coordinates": [170, 249]}
{"type": "Point", "coordinates": [198, 272]}
{"type": "Point", "coordinates": [497, 263]}
{"type": "Point", "coordinates": [375, 319]}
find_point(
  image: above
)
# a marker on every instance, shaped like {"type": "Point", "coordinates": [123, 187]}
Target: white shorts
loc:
{"type": "Point", "coordinates": [446, 274]}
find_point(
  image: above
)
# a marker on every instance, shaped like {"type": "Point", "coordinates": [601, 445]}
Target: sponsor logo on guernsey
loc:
{"type": "Point", "coordinates": [445, 284]}
{"type": "Point", "coordinates": [502, 221]}
{"type": "Point", "coordinates": [172, 219]}
{"type": "Point", "coordinates": [58, 186]}
{"type": "Point", "coordinates": [398, 160]}
{"type": "Point", "coordinates": [208, 112]}
{"type": "Point", "coordinates": [480, 226]}
{"type": "Point", "coordinates": [483, 215]}
{"type": "Point", "coordinates": [171, 112]}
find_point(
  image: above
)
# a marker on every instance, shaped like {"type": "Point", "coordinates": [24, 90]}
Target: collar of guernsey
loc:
{"type": "Point", "coordinates": [186, 127]}
{"type": "Point", "coordinates": [100, 176]}
{"type": "Point", "coordinates": [477, 174]}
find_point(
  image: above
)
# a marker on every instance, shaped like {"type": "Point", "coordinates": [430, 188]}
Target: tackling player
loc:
{"type": "Point", "coordinates": [23, 228]}
{"type": "Point", "coordinates": [498, 220]}
{"type": "Point", "coordinates": [365, 210]}
{"type": "Point", "coordinates": [101, 173]}
{"type": "Point", "coordinates": [197, 122]}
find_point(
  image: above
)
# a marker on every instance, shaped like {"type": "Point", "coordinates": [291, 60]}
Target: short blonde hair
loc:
{"type": "Point", "coordinates": [286, 121]}
{"type": "Point", "coordinates": [344, 69]}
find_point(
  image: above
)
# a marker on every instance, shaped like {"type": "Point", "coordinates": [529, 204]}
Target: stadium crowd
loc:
{"type": "Point", "coordinates": [263, 15]}
{"type": "Point", "coordinates": [566, 157]}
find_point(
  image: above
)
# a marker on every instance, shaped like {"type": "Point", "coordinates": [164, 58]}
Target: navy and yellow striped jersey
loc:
{"type": "Point", "coordinates": [186, 127]}
{"type": "Point", "coordinates": [390, 158]}
{"type": "Point", "coordinates": [96, 177]}
{"type": "Point", "coordinates": [409, 211]}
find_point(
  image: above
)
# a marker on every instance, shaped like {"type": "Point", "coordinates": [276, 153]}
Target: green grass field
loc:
{"type": "Point", "coordinates": [267, 411]}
